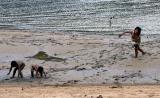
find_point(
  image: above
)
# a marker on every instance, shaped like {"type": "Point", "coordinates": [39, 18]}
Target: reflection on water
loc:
{"type": "Point", "coordinates": [87, 16]}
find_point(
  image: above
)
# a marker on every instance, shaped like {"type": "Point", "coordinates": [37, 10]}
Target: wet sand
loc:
{"type": "Point", "coordinates": [88, 60]}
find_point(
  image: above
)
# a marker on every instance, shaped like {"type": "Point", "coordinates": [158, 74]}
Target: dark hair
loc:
{"type": "Point", "coordinates": [14, 64]}
{"type": "Point", "coordinates": [139, 30]}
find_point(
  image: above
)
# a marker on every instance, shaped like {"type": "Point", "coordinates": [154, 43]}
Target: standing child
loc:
{"type": "Point", "coordinates": [136, 38]}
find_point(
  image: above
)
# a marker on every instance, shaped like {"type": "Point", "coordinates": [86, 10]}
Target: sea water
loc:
{"type": "Point", "coordinates": [81, 16]}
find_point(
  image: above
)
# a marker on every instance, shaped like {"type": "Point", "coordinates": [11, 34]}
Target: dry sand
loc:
{"type": "Point", "coordinates": [79, 92]}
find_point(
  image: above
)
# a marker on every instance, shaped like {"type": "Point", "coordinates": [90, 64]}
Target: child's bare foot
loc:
{"type": "Point", "coordinates": [136, 56]}
{"type": "Point", "coordinates": [143, 53]}
{"type": "Point", "coordinates": [11, 77]}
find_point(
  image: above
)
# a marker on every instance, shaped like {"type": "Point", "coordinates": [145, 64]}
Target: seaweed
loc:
{"type": "Point", "coordinates": [41, 55]}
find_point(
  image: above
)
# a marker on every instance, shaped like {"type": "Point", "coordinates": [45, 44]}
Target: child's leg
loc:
{"type": "Point", "coordinates": [21, 74]}
{"type": "Point", "coordinates": [136, 52]}
{"type": "Point", "coordinates": [20, 70]}
{"type": "Point", "coordinates": [14, 72]}
{"type": "Point", "coordinates": [32, 73]}
{"type": "Point", "coordinates": [141, 51]}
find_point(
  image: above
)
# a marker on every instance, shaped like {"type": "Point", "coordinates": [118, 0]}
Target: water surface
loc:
{"type": "Point", "coordinates": [84, 16]}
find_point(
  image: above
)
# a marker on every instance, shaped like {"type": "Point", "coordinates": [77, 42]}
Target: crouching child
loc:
{"type": "Point", "coordinates": [39, 70]}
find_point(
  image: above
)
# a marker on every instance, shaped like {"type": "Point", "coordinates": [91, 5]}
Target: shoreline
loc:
{"type": "Point", "coordinates": [111, 85]}
{"type": "Point", "coordinates": [71, 33]}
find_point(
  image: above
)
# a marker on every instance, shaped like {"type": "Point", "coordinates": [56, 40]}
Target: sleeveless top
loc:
{"type": "Point", "coordinates": [136, 39]}
{"type": "Point", "coordinates": [20, 63]}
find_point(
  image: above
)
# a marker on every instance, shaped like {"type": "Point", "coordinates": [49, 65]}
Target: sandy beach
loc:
{"type": "Point", "coordinates": [79, 59]}
{"type": "Point", "coordinates": [77, 43]}
{"type": "Point", "coordinates": [79, 92]}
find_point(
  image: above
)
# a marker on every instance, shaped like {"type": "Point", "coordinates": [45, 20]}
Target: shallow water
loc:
{"type": "Point", "coordinates": [84, 16]}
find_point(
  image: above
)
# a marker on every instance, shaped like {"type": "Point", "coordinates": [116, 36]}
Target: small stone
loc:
{"type": "Point", "coordinates": [114, 87]}
{"type": "Point", "coordinates": [100, 96]}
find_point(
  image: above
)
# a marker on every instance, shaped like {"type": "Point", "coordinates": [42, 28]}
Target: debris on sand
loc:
{"type": "Point", "coordinates": [97, 66]}
{"type": "Point", "coordinates": [41, 55]}
{"type": "Point", "coordinates": [100, 96]}
{"type": "Point", "coordinates": [73, 81]}
{"type": "Point", "coordinates": [125, 77]}
{"type": "Point", "coordinates": [7, 79]}
{"type": "Point", "coordinates": [22, 88]}
{"type": "Point", "coordinates": [70, 82]}
{"type": "Point", "coordinates": [80, 69]}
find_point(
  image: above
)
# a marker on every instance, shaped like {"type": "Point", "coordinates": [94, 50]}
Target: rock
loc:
{"type": "Point", "coordinates": [113, 87]}
{"type": "Point", "coordinates": [80, 69]}
{"type": "Point", "coordinates": [72, 82]}
{"type": "Point", "coordinates": [7, 79]}
{"type": "Point", "coordinates": [100, 96]}
{"type": "Point", "coordinates": [97, 66]}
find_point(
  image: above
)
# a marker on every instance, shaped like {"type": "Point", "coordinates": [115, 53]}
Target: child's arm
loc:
{"type": "Point", "coordinates": [10, 70]}
{"type": "Point", "coordinates": [44, 74]}
{"type": "Point", "coordinates": [124, 33]}
{"type": "Point", "coordinates": [37, 74]}
{"type": "Point", "coordinates": [32, 72]}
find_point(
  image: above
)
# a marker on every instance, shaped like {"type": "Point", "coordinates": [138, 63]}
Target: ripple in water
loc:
{"type": "Point", "coordinates": [91, 17]}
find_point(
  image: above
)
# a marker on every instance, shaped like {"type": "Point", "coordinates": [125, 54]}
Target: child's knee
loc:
{"type": "Point", "coordinates": [136, 46]}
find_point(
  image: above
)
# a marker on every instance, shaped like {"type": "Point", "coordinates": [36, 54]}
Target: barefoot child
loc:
{"type": "Point", "coordinates": [19, 65]}
{"type": "Point", "coordinates": [39, 71]}
{"type": "Point", "coordinates": [135, 36]}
